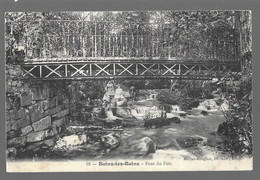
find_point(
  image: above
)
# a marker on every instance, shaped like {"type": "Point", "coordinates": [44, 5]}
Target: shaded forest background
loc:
{"type": "Point", "coordinates": [198, 35]}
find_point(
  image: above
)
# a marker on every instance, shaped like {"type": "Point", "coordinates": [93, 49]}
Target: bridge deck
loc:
{"type": "Point", "coordinates": [125, 68]}
{"type": "Point", "coordinates": [66, 60]}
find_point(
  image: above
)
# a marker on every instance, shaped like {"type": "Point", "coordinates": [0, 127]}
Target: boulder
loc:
{"type": "Point", "coordinates": [110, 141]}
{"type": "Point", "coordinates": [159, 122]}
{"type": "Point", "coordinates": [164, 141]}
{"type": "Point", "coordinates": [205, 113]}
{"type": "Point", "coordinates": [187, 142]}
{"type": "Point", "coordinates": [107, 123]}
{"type": "Point", "coordinates": [182, 114]}
{"type": "Point", "coordinates": [133, 122]}
{"type": "Point", "coordinates": [71, 141]}
{"type": "Point", "coordinates": [141, 147]}
{"type": "Point", "coordinates": [175, 120]}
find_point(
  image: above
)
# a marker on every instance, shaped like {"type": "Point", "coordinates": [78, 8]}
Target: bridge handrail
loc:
{"type": "Point", "coordinates": [92, 39]}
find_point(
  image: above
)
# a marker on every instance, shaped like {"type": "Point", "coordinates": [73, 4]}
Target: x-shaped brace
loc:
{"type": "Point", "coordinates": [169, 69]}
{"type": "Point", "coordinates": [53, 71]}
{"type": "Point", "coordinates": [79, 70]}
{"type": "Point", "coordinates": [102, 69]}
{"type": "Point", "coordinates": [147, 69]}
{"type": "Point", "coordinates": [125, 69]}
{"type": "Point", "coordinates": [189, 69]}
{"type": "Point", "coordinates": [29, 72]}
{"type": "Point", "coordinates": [208, 68]}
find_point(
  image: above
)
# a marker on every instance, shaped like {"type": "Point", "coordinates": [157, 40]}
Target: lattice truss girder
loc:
{"type": "Point", "coordinates": [110, 69]}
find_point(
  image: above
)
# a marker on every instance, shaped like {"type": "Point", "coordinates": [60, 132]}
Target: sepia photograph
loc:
{"type": "Point", "coordinates": [128, 90]}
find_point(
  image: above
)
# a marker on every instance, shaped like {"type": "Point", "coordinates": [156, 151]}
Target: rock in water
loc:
{"type": "Point", "coordinates": [146, 146]}
{"type": "Point", "coordinates": [175, 120]}
{"type": "Point", "coordinates": [68, 142]}
{"type": "Point", "coordinates": [187, 142]}
{"type": "Point", "coordinates": [110, 141]}
{"type": "Point", "coordinates": [141, 147]}
{"type": "Point", "coordinates": [182, 114]}
{"type": "Point", "coordinates": [205, 113]}
{"type": "Point", "coordinates": [159, 122]}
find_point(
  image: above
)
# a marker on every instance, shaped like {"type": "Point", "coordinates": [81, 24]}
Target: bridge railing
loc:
{"type": "Point", "coordinates": [47, 39]}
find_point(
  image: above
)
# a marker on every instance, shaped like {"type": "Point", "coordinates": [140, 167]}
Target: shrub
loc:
{"type": "Point", "coordinates": [167, 97]}
{"type": "Point", "coordinates": [238, 125]}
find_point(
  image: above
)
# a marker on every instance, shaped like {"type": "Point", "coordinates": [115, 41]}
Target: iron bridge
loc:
{"type": "Point", "coordinates": [83, 49]}
{"type": "Point", "coordinates": [122, 68]}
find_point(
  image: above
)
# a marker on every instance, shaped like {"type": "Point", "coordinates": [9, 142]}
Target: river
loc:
{"type": "Point", "coordinates": [194, 137]}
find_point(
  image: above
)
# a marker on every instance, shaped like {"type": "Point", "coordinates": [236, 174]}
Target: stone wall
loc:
{"type": "Point", "coordinates": [36, 112]}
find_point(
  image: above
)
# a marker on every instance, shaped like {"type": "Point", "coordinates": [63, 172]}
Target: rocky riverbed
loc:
{"type": "Point", "coordinates": [193, 136]}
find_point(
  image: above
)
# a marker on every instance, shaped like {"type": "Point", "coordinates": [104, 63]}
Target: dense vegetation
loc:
{"type": "Point", "coordinates": [187, 94]}
{"type": "Point", "coordinates": [238, 125]}
{"type": "Point", "coordinates": [198, 35]}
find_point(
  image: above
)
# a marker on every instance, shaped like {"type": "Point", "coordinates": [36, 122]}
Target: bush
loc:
{"type": "Point", "coordinates": [177, 98]}
{"type": "Point", "coordinates": [167, 97]}
{"type": "Point", "coordinates": [188, 104]}
{"type": "Point", "coordinates": [238, 125]}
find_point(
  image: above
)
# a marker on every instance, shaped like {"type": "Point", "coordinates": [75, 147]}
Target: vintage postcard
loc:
{"type": "Point", "coordinates": [128, 91]}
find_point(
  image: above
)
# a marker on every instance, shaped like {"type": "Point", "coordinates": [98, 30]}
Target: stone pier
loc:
{"type": "Point", "coordinates": [36, 112]}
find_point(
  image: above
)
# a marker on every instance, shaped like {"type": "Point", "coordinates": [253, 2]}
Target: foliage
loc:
{"type": "Point", "coordinates": [238, 124]}
{"type": "Point", "coordinates": [19, 35]}
{"type": "Point", "coordinates": [146, 84]}
{"type": "Point", "coordinates": [167, 97]}
{"type": "Point", "coordinates": [199, 89]}
{"type": "Point", "coordinates": [178, 98]}
{"type": "Point", "coordinates": [192, 34]}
